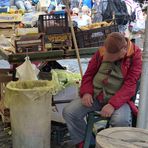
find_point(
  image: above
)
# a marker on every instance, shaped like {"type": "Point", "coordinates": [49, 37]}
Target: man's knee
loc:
{"type": "Point", "coordinates": [122, 117]}
{"type": "Point", "coordinates": [66, 112]}
{"type": "Point", "coordinates": [119, 121]}
{"type": "Point", "coordinates": [70, 110]}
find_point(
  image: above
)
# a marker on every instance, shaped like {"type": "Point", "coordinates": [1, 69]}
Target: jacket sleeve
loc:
{"type": "Point", "coordinates": [127, 91]}
{"type": "Point", "coordinates": [87, 79]}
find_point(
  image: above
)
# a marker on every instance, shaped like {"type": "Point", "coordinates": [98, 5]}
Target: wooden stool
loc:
{"type": "Point", "coordinates": [122, 137]}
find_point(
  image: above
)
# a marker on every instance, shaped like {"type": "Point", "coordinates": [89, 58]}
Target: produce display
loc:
{"type": "Point", "coordinates": [96, 25]}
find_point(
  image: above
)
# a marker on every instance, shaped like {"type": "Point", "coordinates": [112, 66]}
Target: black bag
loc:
{"type": "Point", "coordinates": [119, 9]}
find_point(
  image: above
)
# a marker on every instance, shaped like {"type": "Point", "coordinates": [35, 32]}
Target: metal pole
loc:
{"type": "Point", "coordinates": [74, 37]}
{"type": "Point", "coordinates": [142, 121]}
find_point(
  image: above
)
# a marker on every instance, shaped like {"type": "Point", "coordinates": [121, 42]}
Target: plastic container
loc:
{"type": "Point", "coordinates": [30, 112]}
{"type": "Point", "coordinates": [94, 37]}
{"type": "Point", "coordinates": [56, 23]}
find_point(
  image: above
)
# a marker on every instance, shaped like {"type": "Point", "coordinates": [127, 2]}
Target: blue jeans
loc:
{"type": "Point", "coordinates": [75, 112]}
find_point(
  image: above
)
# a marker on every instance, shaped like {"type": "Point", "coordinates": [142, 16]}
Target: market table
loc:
{"type": "Point", "coordinates": [122, 137]}
{"type": "Point", "coordinates": [50, 55]}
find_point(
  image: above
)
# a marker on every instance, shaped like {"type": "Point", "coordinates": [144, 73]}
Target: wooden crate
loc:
{"type": "Point", "coordinates": [7, 29]}
{"type": "Point", "coordinates": [30, 43]}
{"type": "Point", "coordinates": [60, 41]}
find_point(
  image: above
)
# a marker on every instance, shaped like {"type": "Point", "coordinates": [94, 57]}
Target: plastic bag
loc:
{"type": "Point", "coordinates": [33, 90]}
{"type": "Point", "coordinates": [27, 71]}
{"type": "Point", "coordinates": [6, 45]}
{"type": "Point", "coordinates": [30, 109]}
{"type": "Point", "coordinates": [4, 41]}
{"type": "Point", "coordinates": [31, 19]}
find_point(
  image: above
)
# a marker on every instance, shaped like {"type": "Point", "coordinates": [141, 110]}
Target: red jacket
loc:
{"type": "Point", "coordinates": [131, 67]}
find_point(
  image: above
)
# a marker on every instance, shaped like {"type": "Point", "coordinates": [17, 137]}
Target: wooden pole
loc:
{"type": "Point", "coordinates": [74, 37]}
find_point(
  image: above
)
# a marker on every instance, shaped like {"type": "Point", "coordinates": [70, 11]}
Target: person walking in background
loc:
{"type": "Point", "coordinates": [84, 17]}
{"type": "Point", "coordinates": [75, 16]}
{"type": "Point", "coordinates": [88, 3]}
{"type": "Point", "coordinates": [99, 8]}
{"type": "Point", "coordinates": [107, 86]}
{"type": "Point", "coordinates": [130, 6]}
{"type": "Point", "coordinates": [74, 4]}
{"type": "Point", "coordinates": [55, 5]}
{"type": "Point", "coordinates": [112, 10]}
{"type": "Point", "coordinates": [137, 23]}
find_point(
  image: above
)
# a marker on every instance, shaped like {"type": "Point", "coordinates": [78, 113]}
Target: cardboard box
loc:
{"type": "Point", "coordinates": [69, 93]}
{"type": "Point", "coordinates": [56, 114]}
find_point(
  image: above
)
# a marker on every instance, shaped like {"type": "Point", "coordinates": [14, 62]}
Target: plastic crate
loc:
{"type": "Point", "coordinates": [58, 132]}
{"type": "Point", "coordinates": [94, 37]}
{"type": "Point", "coordinates": [56, 23]}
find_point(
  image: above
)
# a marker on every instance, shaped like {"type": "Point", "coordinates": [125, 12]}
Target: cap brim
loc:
{"type": "Point", "coordinates": [114, 56]}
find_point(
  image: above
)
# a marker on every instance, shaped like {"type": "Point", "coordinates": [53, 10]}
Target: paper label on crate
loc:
{"type": "Point", "coordinates": [97, 34]}
{"type": "Point", "coordinates": [28, 42]}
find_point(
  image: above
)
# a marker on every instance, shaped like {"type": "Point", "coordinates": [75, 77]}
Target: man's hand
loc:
{"type": "Point", "coordinates": [107, 110]}
{"type": "Point", "coordinates": [87, 100]}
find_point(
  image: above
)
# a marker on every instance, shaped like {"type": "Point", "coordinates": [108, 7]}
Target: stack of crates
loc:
{"type": "Point", "coordinates": [58, 133]}
{"type": "Point", "coordinates": [56, 29]}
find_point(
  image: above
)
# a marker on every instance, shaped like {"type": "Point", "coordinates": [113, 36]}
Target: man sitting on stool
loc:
{"type": "Point", "coordinates": [107, 86]}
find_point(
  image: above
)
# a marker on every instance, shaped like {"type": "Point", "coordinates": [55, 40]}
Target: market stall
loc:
{"type": "Point", "coordinates": [53, 41]}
